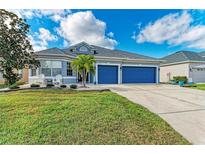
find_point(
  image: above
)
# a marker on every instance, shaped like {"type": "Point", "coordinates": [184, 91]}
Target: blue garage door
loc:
{"type": "Point", "coordinates": [107, 74]}
{"type": "Point", "coordinates": [138, 74]}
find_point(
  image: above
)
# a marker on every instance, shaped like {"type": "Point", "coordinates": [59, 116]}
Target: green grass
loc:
{"type": "Point", "coordinates": [18, 83]}
{"type": "Point", "coordinates": [198, 86]}
{"type": "Point", "coordinates": [70, 117]}
{"type": "Point", "coordinates": [3, 86]}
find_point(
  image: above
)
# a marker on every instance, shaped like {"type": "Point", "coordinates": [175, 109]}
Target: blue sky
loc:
{"type": "Point", "coordinates": [150, 32]}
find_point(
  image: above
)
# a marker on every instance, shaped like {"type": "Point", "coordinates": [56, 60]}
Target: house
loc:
{"type": "Point", "coordinates": [183, 63]}
{"type": "Point", "coordinates": [22, 73]}
{"type": "Point", "coordinates": [111, 67]}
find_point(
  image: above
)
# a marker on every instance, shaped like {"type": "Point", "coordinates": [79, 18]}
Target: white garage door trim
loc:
{"type": "Point", "coordinates": [108, 64]}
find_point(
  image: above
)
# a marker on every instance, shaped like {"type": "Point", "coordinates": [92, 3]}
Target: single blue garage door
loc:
{"type": "Point", "coordinates": [132, 74]}
{"type": "Point", "coordinates": [107, 74]}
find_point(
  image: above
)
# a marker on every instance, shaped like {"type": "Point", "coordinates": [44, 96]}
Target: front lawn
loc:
{"type": "Point", "coordinates": [69, 117]}
{"type": "Point", "coordinates": [199, 86]}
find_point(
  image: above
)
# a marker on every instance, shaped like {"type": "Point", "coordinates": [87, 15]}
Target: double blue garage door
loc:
{"type": "Point", "coordinates": [108, 74]}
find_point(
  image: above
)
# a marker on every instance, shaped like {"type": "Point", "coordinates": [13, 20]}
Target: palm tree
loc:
{"type": "Point", "coordinates": [84, 64]}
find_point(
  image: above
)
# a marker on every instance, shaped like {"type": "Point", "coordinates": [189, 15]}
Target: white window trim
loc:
{"type": "Point", "coordinates": [51, 67]}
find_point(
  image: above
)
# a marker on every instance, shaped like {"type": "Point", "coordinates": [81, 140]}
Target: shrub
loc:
{"type": "Point", "coordinates": [20, 83]}
{"type": "Point", "coordinates": [180, 78]}
{"type": "Point", "coordinates": [194, 85]}
{"type": "Point", "coordinates": [34, 85]}
{"type": "Point", "coordinates": [50, 85]}
{"type": "Point", "coordinates": [14, 86]}
{"type": "Point", "coordinates": [63, 86]}
{"type": "Point", "coordinates": [73, 86]}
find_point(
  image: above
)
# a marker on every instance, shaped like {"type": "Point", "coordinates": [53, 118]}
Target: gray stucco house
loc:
{"type": "Point", "coordinates": [183, 63]}
{"type": "Point", "coordinates": [112, 66]}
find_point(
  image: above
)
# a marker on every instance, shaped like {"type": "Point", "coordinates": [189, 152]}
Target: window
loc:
{"type": "Point", "coordinates": [46, 71]}
{"type": "Point", "coordinates": [56, 71]}
{"type": "Point", "coordinates": [46, 68]}
{"type": "Point", "coordinates": [51, 68]}
{"type": "Point", "coordinates": [33, 72]}
{"type": "Point", "coordinates": [46, 64]}
{"type": "Point", "coordinates": [56, 64]}
{"type": "Point", "coordinates": [200, 69]}
{"type": "Point", "coordinates": [82, 49]}
{"type": "Point", "coordinates": [69, 69]}
{"type": "Point", "coordinates": [56, 68]}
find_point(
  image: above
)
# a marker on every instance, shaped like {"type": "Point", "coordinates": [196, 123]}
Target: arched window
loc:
{"type": "Point", "coordinates": [83, 49]}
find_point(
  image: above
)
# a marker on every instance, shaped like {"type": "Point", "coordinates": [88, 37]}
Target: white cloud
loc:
{"type": "Point", "coordinates": [25, 13]}
{"type": "Point", "coordinates": [51, 13]}
{"type": "Point", "coordinates": [166, 28]}
{"type": "Point", "coordinates": [39, 40]}
{"type": "Point", "coordinates": [110, 34]}
{"type": "Point", "coordinates": [194, 37]}
{"type": "Point", "coordinates": [174, 29]}
{"type": "Point", "coordinates": [56, 17]}
{"type": "Point", "coordinates": [83, 26]}
{"type": "Point", "coordinates": [45, 35]}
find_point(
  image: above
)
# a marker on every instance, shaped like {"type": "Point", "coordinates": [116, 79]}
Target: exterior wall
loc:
{"type": "Point", "coordinates": [69, 80]}
{"type": "Point", "coordinates": [64, 68]}
{"type": "Point", "coordinates": [66, 79]}
{"type": "Point", "coordinates": [93, 78]}
{"type": "Point", "coordinates": [167, 72]}
{"type": "Point", "coordinates": [25, 75]}
{"type": "Point", "coordinates": [185, 69]}
{"type": "Point", "coordinates": [197, 75]}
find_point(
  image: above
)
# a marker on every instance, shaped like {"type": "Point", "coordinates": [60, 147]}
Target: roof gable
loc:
{"type": "Point", "coordinates": [80, 48]}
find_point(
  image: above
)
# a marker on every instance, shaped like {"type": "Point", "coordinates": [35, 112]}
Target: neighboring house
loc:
{"type": "Point", "coordinates": [183, 63]}
{"type": "Point", "coordinates": [22, 73]}
{"type": "Point", "coordinates": [112, 66]}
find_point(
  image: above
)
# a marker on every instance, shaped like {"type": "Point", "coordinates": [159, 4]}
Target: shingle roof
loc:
{"type": "Point", "coordinates": [99, 51]}
{"type": "Point", "coordinates": [181, 56]}
{"type": "Point", "coordinates": [105, 52]}
{"type": "Point", "coordinates": [202, 53]}
{"type": "Point", "coordinates": [53, 51]}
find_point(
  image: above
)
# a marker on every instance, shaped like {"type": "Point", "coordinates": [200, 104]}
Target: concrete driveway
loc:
{"type": "Point", "coordinates": [182, 108]}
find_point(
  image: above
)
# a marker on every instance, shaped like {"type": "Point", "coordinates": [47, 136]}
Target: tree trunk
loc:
{"type": "Point", "coordinates": [83, 78]}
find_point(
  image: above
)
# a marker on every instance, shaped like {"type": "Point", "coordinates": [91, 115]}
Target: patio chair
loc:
{"type": "Point", "coordinates": [41, 79]}
{"type": "Point", "coordinates": [58, 79]}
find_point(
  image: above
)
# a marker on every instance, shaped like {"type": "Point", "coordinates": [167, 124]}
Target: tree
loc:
{"type": "Point", "coordinates": [16, 52]}
{"type": "Point", "coordinates": [84, 64]}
